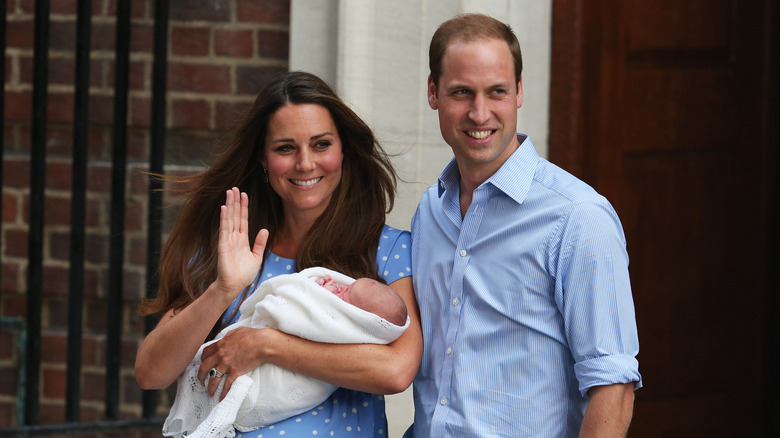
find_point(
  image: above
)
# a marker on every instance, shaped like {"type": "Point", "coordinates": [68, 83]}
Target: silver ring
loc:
{"type": "Point", "coordinates": [215, 373]}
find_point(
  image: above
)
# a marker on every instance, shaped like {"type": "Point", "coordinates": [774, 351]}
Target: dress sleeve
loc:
{"type": "Point", "coordinates": [394, 256]}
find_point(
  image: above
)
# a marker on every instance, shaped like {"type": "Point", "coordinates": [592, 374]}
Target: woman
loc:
{"type": "Point", "coordinates": [321, 185]}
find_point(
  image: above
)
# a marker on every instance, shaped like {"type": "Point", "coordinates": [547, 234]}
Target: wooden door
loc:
{"type": "Point", "coordinates": [669, 109]}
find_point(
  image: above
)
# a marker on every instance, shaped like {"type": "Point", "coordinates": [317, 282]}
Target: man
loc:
{"type": "Point", "coordinates": [520, 269]}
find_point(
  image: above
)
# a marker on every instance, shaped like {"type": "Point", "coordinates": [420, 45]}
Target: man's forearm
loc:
{"type": "Point", "coordinates": [609, 411]}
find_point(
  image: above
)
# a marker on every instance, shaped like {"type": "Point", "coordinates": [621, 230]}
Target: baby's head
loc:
{"type": "Point", "coordinates": [371, 296]}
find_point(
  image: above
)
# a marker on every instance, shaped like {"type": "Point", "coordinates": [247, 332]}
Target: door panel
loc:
{"type": "Point", "coordinates": [669, 109]}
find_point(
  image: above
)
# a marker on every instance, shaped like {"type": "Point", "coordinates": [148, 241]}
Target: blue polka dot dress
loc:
{"type": "Point", "coordinates": [346, 413]}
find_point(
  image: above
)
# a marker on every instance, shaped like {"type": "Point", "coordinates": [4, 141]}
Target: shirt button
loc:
{"type": "Point", "coordinates": [449, 351]}
{"type": "Point", "coordinates": [463, 253]}
{"type": "Point", "coordinates": [443, 401]}
{"type": "Point", "coordinates": [455, 301]}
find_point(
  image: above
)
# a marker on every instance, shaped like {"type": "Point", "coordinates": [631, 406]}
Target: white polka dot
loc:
{"type": "Point", "coordinates": [401, 274]}
{"type": "Point", "coordinates": [397, 257]}
{"type": "Point", "coordinates": [403, 246]}
{"type": "Point", "coordinates": [297, 420]}
{"type": "Point", "coordinates": [384, 237]}
{"type": "Point", "coordinates": [276, 259]}
{"type": "Point", "coordinates": [380, 397]}
{"type": "Point", "coordinates": [314, 412]}
{"type": "Point", "coordinates": [408, 269]}
{"type": "Point", "coordinates": [384, 258]}
{"type": "Point", "coordinates": [344, 415]}
{"type": "Point", "coordinates": [269, 275]}
{"type": "Point", "coordinates": [289, 268]}
{"type": "Point", "coordinates": [281, 432]}
{"type": "Point", "coordinates": [380, 432]}
{"type": "Point", "coordinates": [385, 273]}
{"type": "Point", "coordinates": [314, 432]}
{"type": "Point", "coordinates": [271, 426]}
{"type": "Point", "coordinates": [332, 433]}
{"type": "Point", "coordinates": [349, 428]}
{"type": "Point", "coordinates": [358, 429]}
{"type": "Point", "coordinates": [354, 411]}
{"type": "Point", "coordinates": [319, 408]}
{"type": "Point", "coordinates": [365, 404]}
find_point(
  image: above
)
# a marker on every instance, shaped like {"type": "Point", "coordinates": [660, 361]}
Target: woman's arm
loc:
{"type": "Point", "coordinates": [170, 347]}
{"type": "Point", "coordinates": [379, 369]}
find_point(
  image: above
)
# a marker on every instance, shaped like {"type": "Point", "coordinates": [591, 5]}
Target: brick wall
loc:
{"type": "Point", "coordinates": [220, 53]}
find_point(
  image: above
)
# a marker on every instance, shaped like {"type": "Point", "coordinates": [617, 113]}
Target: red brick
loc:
{"type": "Point", "coordinates": [10, 279]}
{"type": "Point", "coordinates": [15, 306]}
{"type": "Point", "coordinates": [55, 281]}
{"type": "Point", "coordinates": [133, 286]}
{"type": "Point", "coordinates": [139, 182]}
{"type": "Point", "coordinates": [263, 11]}
{"type": "Point", "coordinates": [135, 216]}
{"type": "Point", "coordinates": [9, 379]}
{"type": "Point", "coordinates": [25, 69]}
{"type": "Point", "coordinates": [89, 352]}
{"type": "Point", "coordinates": [138, 8]}
{"type": "Point", "coordinates": [20, 34]}
{"type": "Point", "coordinates": [250, 80]}
{"type": "Point", "coordinates": [59, 142]}
{"type": "Point", "coordinates": [102, 36]}
{"type": "Point", "coordinates": [60, 107]}
{"type": "Point", "coordinates": [274, 44]}
{"type": "Point", "coordinates": [99, 178]}
{"type": "Point", "coordinates": [57, 312]}
{"type": "Point", "coordinates": [56, 211]}
{"type": "Point", "coordinates": [95, 317]}
{"type": "Point", "coordinates": [140, 76]}
{"type": "Point", "coordinates": [59, 175]}
{"type": "Point", "coordinates": [62, 71]}
{"type": "Point", "coordinates": [101, 109]}
{"type": "Point", "coordinates": [193, 114]}
{"type": "Point", "coordinates": [7, 345]}
{"type": "Point", "coordinates": [237, 43]}
{"type": "Point", "coordinates": [51, 412]}
{"type": "Point", "coordinates": [140, 113]}
{"type": "Point", "coordinates": [18, 105]}
{"type": "Point", "coordinates": [92, 282]}
{"type": "Point", "coordinates": [7, 409]}
{"type": "Point", "coordinates": [190, 41]}
{"type": "Point", "coordinates": [229, 114]}
{"type": "Point", "coordinates": [198, 78]}
{"type": "Point", "coordinates": [96, 247]}
{"type": "Point", "coordinates": [199, 10]}
{"type": "Point", "coordinates": [67, 7]}
{"type": "Point", "coordinates": [54, 348]}
{"type": "Point", "coordinates": [141, 38]}
{"type": "Point", "coordinates": [137, 251]}
{"type": "Point", "coordinates": [15, 243]}
{"type": "Point", "coordinates": [94, 386]}
{"type": "Point", "coordinates": [138, 139]}
{"type": "Point", "coordinates": [62, 35]}
{"type": "Point", "coordinates": [97, 73]}
{"type": "Point", "coordinates": [53, 383]}
{"type": "Point", "coordinates": [10, 207]}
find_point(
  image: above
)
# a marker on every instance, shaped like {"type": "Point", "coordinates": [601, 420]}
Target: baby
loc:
{"type": "Point", "coordinates": [371, 296]}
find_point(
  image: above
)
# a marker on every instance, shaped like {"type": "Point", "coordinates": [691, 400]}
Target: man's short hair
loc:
{"type": "Point", "coordinates": [467, 28]}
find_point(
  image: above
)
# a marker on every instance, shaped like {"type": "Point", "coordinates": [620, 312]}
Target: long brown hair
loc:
{"type": "Point", "coordinates": [344, 237]}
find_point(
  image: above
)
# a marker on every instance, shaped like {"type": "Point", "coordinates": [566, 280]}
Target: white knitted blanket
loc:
{"type": "Point", "coordinates": [294, 304]}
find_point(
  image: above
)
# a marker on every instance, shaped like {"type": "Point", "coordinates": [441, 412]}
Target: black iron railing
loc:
{"type": "Point", "coordinates": [27, 332]}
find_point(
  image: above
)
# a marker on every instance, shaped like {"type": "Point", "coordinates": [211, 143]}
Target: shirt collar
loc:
{"type": "Point", "coordinates": [514, 177]}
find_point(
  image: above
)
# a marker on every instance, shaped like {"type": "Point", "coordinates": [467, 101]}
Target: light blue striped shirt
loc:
{"type": "Point", "coordinates": [525, 303]}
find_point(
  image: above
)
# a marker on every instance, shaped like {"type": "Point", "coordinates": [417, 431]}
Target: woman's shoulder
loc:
{"type": "Point", "coordinates": [393, 234]}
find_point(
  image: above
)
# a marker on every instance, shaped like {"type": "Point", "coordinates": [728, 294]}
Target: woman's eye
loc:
{"type": "Point", "coordinates": [284, 148]}
{"type": "Point", "coordinates": [322, 144]}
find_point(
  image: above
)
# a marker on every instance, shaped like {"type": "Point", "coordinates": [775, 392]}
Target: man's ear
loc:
{"type": "Point", "coordinates": [520, 93]}
{"type": "Point", "coordinates": [433, 101]}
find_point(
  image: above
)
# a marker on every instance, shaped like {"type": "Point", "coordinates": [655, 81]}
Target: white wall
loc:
{"type": "Point", "coordinates": [375, 54]}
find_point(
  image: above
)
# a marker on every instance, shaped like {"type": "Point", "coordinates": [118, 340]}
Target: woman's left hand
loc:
{"type": "Point", "coordinates": [232, 355]}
